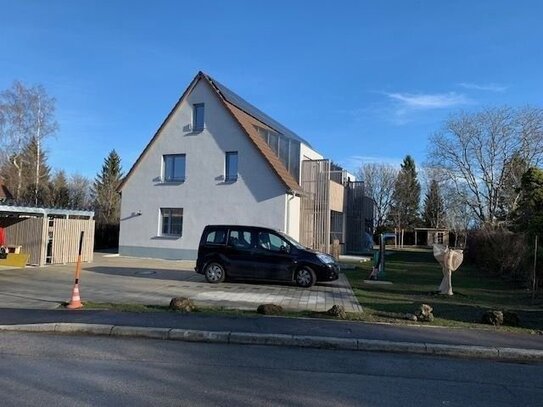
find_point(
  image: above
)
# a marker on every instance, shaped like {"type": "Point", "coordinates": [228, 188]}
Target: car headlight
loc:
{"type": "Point", "coordinates": [325, 258]}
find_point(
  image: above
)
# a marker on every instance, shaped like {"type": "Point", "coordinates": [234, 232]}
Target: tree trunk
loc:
{"type": "Point", "coordinates": [19, 179]}
{"type": "Point", "coordinates": [38, 139]}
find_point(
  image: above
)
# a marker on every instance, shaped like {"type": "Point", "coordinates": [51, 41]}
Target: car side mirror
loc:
{"type": "Point", "coordinates": [284, 249]}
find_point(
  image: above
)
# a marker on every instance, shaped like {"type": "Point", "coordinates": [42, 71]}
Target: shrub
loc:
{"type": "Point", "coordinates": [500, 252]}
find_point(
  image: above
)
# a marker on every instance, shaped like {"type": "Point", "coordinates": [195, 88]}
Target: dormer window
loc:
{"type": "Point", "coordinates": [198, 117]}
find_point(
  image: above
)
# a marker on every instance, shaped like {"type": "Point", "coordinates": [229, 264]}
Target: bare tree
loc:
{"type": "Point", "coordinates": [475, 152]}
{"type": "Point", "coordinates": [379, 181]}
{"type": "Point", "coordinates": [79, 189]}
{"type": "Point", "coordinates": [14, 134]}
{"type": "Point", "coordinates": [42, 124]}
{"type": "Point", "coordinates": [27, 114]}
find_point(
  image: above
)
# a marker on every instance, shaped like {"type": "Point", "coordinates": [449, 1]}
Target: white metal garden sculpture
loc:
{"type": "Point", "coordinates": [450, 260]}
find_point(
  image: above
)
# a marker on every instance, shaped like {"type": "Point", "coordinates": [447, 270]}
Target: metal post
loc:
{"type": "Point", "coordinates": [534, 274]}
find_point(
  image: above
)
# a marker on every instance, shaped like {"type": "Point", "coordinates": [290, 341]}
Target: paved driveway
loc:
{"type": "Point", "coordinates": [147, 281]}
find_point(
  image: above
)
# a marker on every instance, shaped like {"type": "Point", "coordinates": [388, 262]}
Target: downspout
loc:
{"type": "Point", "coordinates": [291, 197]}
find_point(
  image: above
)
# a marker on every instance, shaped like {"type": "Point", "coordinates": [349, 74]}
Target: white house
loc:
{"type": "Point", "coordinates": [216, 159]}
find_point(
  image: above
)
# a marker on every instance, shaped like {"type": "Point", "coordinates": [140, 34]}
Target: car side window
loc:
{"type": "Point", "coordinates": [272, 242]}
{"type": "Point", "coordinates": [216, 237]}
{"type": "Point", "coordinates": [240, 239]}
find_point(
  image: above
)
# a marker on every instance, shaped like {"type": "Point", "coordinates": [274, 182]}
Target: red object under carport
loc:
{"type": "Point", "coordinates": [2, 237]}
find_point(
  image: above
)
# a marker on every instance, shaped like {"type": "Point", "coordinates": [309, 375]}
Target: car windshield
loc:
{"type": "Point", "coordinates": [291, 241]}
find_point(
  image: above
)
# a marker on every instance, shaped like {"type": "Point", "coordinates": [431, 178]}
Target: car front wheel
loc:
{"type": "Point", "coordinates": [214, 273]}
{"type": "Point", "coordinates": [305, 277]}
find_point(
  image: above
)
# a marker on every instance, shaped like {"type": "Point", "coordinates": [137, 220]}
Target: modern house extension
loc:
{"type": "Point", "coordinates": [216, 159]}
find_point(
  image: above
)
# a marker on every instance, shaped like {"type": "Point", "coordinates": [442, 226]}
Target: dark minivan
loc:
{"type": "Point", "coordinates": [257, 253]}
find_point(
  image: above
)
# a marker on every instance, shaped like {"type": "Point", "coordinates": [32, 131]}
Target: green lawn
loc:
{"type": "Point", "coordinates": [416, 276]}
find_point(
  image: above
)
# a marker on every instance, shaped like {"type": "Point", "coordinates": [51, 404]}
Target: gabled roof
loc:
{"type": "Point", "coordinates": [253, 111]}
{"type": "Point", "coordinates": [247, 116]}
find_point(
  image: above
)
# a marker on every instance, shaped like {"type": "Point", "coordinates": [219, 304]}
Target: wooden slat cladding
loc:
{"type": "Point", "coordinates": [315, 205]}
{"type": "Point", "coordinates": [66, 233]}
{"type": "Point", "coordinates": [27, 232]}
{"type": "Point", "coordinates": [337, 194]}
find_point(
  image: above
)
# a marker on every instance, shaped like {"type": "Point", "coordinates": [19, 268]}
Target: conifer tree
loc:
{"type": "Point", "coordinates": [406, 197]}
{"type": "Point", "coordinates": [60, 193]}
{"type": "Point", "coordinates": [434, 207]}
{"type": "Point", "coordinates": [107, 201]}
{"type": "Point", "coordinates": [529, 214]}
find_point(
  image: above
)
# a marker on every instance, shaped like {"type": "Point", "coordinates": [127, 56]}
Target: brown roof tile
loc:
{"type": "Point", "coordinates": [248, 124]}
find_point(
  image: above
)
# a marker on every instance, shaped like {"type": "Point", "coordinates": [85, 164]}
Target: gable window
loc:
{"type": "Point", "coordinates": [231, 166]}
{"type": "Point", "coordinates": [173, 168]}
{"type": "Point", "coordinates": [171, 221]}
{"type": "Point", "coordinates": [198, 117]}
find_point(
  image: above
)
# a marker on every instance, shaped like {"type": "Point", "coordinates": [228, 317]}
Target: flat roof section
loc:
{"type": "Point", "coordinates": [27, 210]}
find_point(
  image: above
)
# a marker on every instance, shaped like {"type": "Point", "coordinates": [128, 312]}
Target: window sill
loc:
{"type": "Point", "coordinates": [171, 182]}
{"type": "Point", "coordinates": [166, 237]}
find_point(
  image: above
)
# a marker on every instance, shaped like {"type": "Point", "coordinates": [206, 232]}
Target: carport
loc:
{"type": "Point", "coordinates": [46, 235]}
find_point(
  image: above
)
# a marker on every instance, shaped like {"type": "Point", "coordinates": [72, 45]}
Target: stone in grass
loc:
{"type": "Point", "coordinates": [411, 317]}
{"type": "Point", "coordinates": [269, 309]}
{"type": "Point", "coordinates": [182, 304]}
{"type": "Point", "coordinates": [424, 313]}
{"type": "Point", "coordinates": [337, 311]}
{"type": "Point", "coordinates": [493, 317]}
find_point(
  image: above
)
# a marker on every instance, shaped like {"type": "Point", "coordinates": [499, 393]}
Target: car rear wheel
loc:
{"type": "Point", "coordinates": [305, 277]}
{"type": "Point", "coordinates": [214, 273]}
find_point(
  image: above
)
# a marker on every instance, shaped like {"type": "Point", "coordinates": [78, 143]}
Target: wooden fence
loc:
{"type": "Point", "coordinates": [28, 233]}
{"type": "Point", "coordinates": [54, 241]}
{"type": "Point", "coordinates": [65, 243]}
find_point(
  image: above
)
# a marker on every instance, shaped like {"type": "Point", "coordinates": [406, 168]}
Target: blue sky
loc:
{"type": "Point", "coordinates": [362, 80]}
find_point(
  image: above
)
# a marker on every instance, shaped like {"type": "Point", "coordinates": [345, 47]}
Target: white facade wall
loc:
{"type": "Point", "coordinates": [292, 218]}
{"type": "Point", "coordinates": [257, 197]}
{"type": "Point", "coordinates": [307, 153]}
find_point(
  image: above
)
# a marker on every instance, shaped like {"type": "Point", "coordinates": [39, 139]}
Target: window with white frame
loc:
{"type": "Point", "coordinates": [171, 221]}
{"type": "Point", "coordinates": [198, 117]}
{"type": "Point", "coordinates": [231, 166]}
{"type": "Point", "coordinates": [173, 168]}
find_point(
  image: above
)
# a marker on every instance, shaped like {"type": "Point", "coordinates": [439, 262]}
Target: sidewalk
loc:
{"type": "Point", "coordinates": [284, 331]}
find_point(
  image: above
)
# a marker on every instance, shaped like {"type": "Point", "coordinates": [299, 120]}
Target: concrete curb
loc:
{"type": "Point", "coordinates": [302, 341]}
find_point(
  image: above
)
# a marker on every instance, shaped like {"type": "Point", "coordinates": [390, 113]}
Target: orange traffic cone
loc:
{"type": "Point", "coordinates": [76, 299]}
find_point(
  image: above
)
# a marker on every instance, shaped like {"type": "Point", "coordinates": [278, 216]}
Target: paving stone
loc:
{"type": "Point", "coordinates": [114, 279]}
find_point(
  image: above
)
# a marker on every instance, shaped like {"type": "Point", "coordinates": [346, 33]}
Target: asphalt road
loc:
{"type": "Point", "coordinates": [38, 369]}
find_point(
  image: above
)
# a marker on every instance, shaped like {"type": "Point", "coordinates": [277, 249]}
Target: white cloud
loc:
{"type": "Point", "coordinates": [423, 101]}
{"type": "Point", "coordinates": [490, 87]}
{"type": "Point", "coordinates": [354, 162]}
